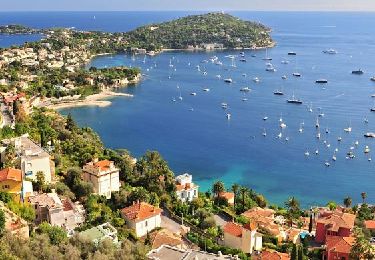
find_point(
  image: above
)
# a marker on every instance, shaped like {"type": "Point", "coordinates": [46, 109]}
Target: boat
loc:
{"type": "Point", "coordinates": [334, 158]}
{"type": "Point", "coordinates": [244, 99]}
{"type": "Point", "coordinates": [318, 135]}
{"type": "Point", "coordinates": [372, 109]}
{"type": "Point", "coordinates": [193, 94]}
{"type": "Point", "coordinates": [372, 78]}
{"type": "Point", "coordinates": [317, 125]}
{"type": "Point", "coordinates": [191, 109]}
{"type": "Point", "coordinates": [292, 53]}
{"type": "Point", "coordinates": [283, 77]}
{"type": "Point", "coordinates": [321, 81]}
{"type": "Point", "coordinates": [316, 151]}
{"type": "Point", "coordinates": [294, 100]}
{"type": "Point", "coordinates": [245, 89]}
{"type": "Point", "coordinates": [287, 139]}
{"type": "Point", "coordinates": [367, 149]}
{"type": "Point", "coordinates": [266, 57]}
{"type": "Point", "coordinates": [327, 131]}
{"type": "Point", "coordinates": [307, 153]}
{"type": "Point", "coordinates": [284, 62]}
{"type": "Point", "coordinates": [224, 105]}
{"type": "Point", "coordinates": [243, 60]}
{"type": "Point", "coordinates": [310, 108]}
{"type": "Point", "coordinates": [327, 164]}
{"type": "Point", "coordinates": [280, 135]}
{"type": "Point", "coordinates": [357, 72]}
{"type": "Point", "coordinates": [300, 128]}
{"type": "Point", "coordinates": [264, 133]}
{"type": "Point", "coordinates": [206, 89]}
{"type": "Point", "coordinates": [228, 80]}
{"type": "Point", "coordinates": [330, 51]}
{"type": "Point", "coordinates": [253, 55]}
{"type": "Point", "coordinates": [296, 74]}
{"type": "Point", "coordinates": [369, 135]}
{"type": "Point", "coordinates": [173, 99]}
{"type": "Point", "coordinates": [218, 63]}
{"type": "Point", "coordinates": [348, 129]}
{"type": "Point", "coordinates": [282, 125]}
{"type": "Point", "coordinates": [228, 116]}
{"type": "Point", "coordinates": [339, 138]}
{"type": "Point", "coordinates": [256, 79]}
{"type": "Point", "coordinates": [365, 120]}
{"type": "Point", "coordinates": [356, 143]}
{"type": "Point", "coordinates": [270, 69]}
{"type": "Point", "coordinates": [265, 118]}
{"type": "Point", "coordinates": [278, 92]}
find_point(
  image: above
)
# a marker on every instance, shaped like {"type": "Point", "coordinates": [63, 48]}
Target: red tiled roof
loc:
{"type": "Point", "coordinates": [233, 229]}
{"type": "Point", "coordinates": [66, 204]}
{"type": "Point", "coordinates": [273, 255]}
{"type": "Point", "coordinates": [140, 211]}
{"type": "Point", "coordinates": [338, 220]}
{"type": "Point", "coordinates": [103, 165]}
{"type": "Point", "coordinates": [258, 212]}
{"type": "Point", "coordinates": [10, 174]}
{"type": "Point", "coordinates": [370, 224]}
{"type": "Point", "coordinates": [227, 195]}
{"type": "Point", "coordinates": [339, 244]}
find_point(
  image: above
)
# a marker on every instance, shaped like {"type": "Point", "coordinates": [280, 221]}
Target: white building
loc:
{"type": "Point", "coordinates": [186, 190]}
{"type": "Point", "coordinates": [104, 177]}
{"type": "Point", "coordinates": [245, 238]}
{"type": "Point", "coordinates": [100, 233]}
{"type": "Point", "coordinates": [142, 217]}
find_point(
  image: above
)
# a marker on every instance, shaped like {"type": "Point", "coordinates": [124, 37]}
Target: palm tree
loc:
{"type": "Point", "coordinates": [348, 202]}
{"type": "Point", "coordinates": [218, 187]}
{"type": "Point", "coordinates": [364, 196]}
{"type": "Point", "coordinates": [235, 188]}
{"type": "Point", "coordinates": [293, 209]}
{"type": "Point", "coordinates": [243, 191]}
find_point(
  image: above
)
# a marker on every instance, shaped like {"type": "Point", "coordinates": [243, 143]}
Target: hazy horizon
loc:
{"type": "Point", "coordinates": [185, 5]}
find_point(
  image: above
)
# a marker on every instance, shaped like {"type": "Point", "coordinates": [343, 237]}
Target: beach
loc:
{"type": "Point", "coordinates": [92, 100]}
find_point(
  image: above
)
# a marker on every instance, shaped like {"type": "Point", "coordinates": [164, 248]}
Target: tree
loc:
{"type": "Point", "coordinates": [235, 188]}
{"type": "Point", "coordinates": [292, 204]}
{"type": "Point", "coordinates": [348, 202]}
{"type": "Point", "coordinates": [361, 248]}
{"type": "Point", "coordinates": [70, 124]}
{"type": "Point", "coordinates": [56, 234]}
{"type": "Point", "coordinates": [364, 196]}
{"type": "Point", "coordinates": [310, 223]}
{"type": "Point", "coordinates": [243, 191]}
{"type": "Point", "coordinates": [2, 222]}
{"type": "Point", "coordinates": [294, 254]}
{"type": "Point", "coordinates": [332, 205]}
{"type": "Point", "coordinates": [40, 180]}
{"type": "Point", "coordinates": [218, 187]}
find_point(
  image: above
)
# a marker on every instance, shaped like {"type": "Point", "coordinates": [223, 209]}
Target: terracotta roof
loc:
{"type": "Point", "coordinates": [103, 165]}
{"type": "Point", "coordinates": [166, 237]}
{"type": "Point", "coordinates": [140, 211]}
{"type": "Point", "coordinates": [10, 174]}
{"type": "Point", "coordinates": [273, 255]}
{"type": "Point", "coordinates": [370, 224]}
{"type": "Point", "coordinates": [233, 229]}
{"type": "Point", "coordinates": [339, 244]}
{"type": "Point", "coordinates": [187, 186]}
{"type": "Point", "coordinates": [227, 195]}
{"type": "Point", "coordinates": [258, 212]}
{"type": "Point", "coordinates": [338, 220]}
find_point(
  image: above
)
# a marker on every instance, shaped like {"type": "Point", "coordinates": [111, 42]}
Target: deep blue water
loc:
{"type": "Point", "coordinates": [204, 143]}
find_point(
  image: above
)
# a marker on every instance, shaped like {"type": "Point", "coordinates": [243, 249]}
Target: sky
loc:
{"type": "Point", "coordinates": [201, 5]}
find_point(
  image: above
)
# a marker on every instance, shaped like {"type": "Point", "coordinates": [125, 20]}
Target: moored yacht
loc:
{"type": "Point", "coordinates": [330, 51]}
{"type": "Point", "coordinates": [357, 72]}
{"type": "Point", "coordinates": [278, 92]}
{"type": "Point", "coordinates": [294, 100]}
{"type": "Point", "coordinates": [228, 80]}
{"type": "Point", "coordinates": [245, 89]}
{"type": "Point", "coordinates": [321, 81]}
{"type": "Point", "coordinates": [292, 53]}
{"type": "Point", "coordinates": [296, 74]}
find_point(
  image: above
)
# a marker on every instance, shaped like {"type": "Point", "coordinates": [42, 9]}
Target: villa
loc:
{"type": "Point", "coordinates": [142, 217]}
{"type": "Point", "coordinates": [228, 196]}
{"type": "Point", "coordinates": [11, 181]}
{"type": "Point", "coordinates": [99, 233]}
{"type": "Point", "coordinates": [104, 177]}
{"type": "Point", "coordinates": [186, 189]}
{"type": "Point", "coordinates": [245, 238]}
{"type": "Point", "coordinates": [58, 212]}
{"type": "Point", "coordinates": [334, 223]}
{"type": "Point", "coordinates": [338, 247]}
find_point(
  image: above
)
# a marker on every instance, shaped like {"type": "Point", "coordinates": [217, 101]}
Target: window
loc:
{"type": "Point", "coordinates": [5, 187]}
{"type": "Point", "coordinates": [146, 224]}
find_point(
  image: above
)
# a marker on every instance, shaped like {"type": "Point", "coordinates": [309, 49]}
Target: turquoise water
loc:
{"type": "Point", "coordinates": [204, 143]}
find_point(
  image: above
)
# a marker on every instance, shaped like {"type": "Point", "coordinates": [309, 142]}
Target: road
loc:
{"type": "Point", "coordinates": [169, 223]}
{"type": "Point", "coordinates": [7, 120]}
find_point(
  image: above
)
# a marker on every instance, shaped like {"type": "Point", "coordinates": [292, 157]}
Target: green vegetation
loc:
{"type": "Point", "coordinates": [17, 29]}
{"type": "Point", "coordinates": [199, 29]}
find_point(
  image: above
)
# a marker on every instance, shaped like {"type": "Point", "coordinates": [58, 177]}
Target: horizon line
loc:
{"type": "Point", "coordinates": [208, 10]}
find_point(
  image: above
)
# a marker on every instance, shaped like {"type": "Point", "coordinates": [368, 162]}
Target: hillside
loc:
{"type": "Point", "coordinates": [194, 30]}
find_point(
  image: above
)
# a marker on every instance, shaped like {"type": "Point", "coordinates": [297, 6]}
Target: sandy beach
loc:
{"type": "Point", "coordinates": [92, 100]}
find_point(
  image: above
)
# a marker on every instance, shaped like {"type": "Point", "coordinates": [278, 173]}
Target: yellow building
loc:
{"type": "Point", "coordinates": [11, 182]}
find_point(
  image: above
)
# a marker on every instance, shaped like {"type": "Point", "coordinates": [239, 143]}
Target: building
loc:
{"type": "Point", "coordinates": [11, 181]}
{"type": "Point", "coordinates": [166, 237]}
{"type": "Point", "coordinates": [270, 255]}
{"type": "Point", "coordinates": [58, 212]}
{"type": "Point", "coordinates": [166, 252]}
{"type": "Point", "coordinates": [99, 233]}
{"type": "Point", "coordinates": [246, 238]}
{"type": "Point", "coordinates": [104, 177]}
{"type": "Point", "coordinates": [34, 159]}
{"type": "Point", "coordinates": [370, 225]}
{"type": "Point", "coordinates": [228, 196]}
{"type": "Point", "coordinates": [334, 223]}
{"type": "Point", "coordinates": [142, 217]}
{"type": "Point", "coordinates": [338, 248]}
{"type": "Point", "coordinates": [14, 224]}
{"type": "Point", "coordinates": [186, 190]}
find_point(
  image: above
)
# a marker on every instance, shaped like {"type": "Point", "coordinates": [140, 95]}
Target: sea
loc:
{"type": "Point", "coordinates": [194, 134]}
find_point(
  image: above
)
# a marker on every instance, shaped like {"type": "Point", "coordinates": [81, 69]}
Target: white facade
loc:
{"type": "Point", "coordinates": [104, 176]}
{"type": "Point", "coordinates": [186, 189]}
{"type": "Point", "coordinates": [247, 242]}
{"type": "Point", "coordinates": [144, 226]}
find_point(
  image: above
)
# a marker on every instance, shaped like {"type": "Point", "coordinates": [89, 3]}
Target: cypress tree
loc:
{"type": "Point", "coordinates": [294, 255]}
{"type": "Point", "coordinates": [310, 224]}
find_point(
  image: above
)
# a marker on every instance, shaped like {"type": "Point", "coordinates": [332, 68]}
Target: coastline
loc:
{"type": "Point", "coordinates": [92, 100]}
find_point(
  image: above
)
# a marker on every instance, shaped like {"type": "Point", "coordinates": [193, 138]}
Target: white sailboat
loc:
{"type": "Point", "coordinates": [348, 129]}
{"type": "Point", "coordinates": [180, 96]}
{"type": "Point", "coordinates": [264, 133]}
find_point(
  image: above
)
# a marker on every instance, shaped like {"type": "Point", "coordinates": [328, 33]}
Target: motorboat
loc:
{"type": "Point", "coordinates": [357, 72]}
{"type": "Point", "coordinates": [229, 116]}
{"type": "Point", "coordinates": [367, 149]}
{"type": "Point", "coordinates": [193, 94]}
{"type": "Point", "coordinates": [245, 89]}
{"type": "Point", "coordinates": [228, 80]}
{"type": "Point", "coordinates": [292, 53]}
{"type": "Point", "coordinates": [256, 79]}
{"type": "Point", "coordinates": [296, 74]}
{"type": "Point", "coordinates": [284, 77]}
{"type": "Point", "coordinates": [294, 100]}
{"type": "Point", "coordinates": [369, 135]}
{"type": "Point", "coordinates": [206, 89]}
{"type": "Point", "coordinates": [321, 81]}
{"type": "Point", "coordinates": [330, 51]}
{"type": "Point", "coordinates": [278, 92]}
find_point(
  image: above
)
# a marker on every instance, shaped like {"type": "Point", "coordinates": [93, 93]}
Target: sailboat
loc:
{"type": "Point", "coordinates": [144, 59]}
{"type": "Point", "coordinates": [300, 128]}
{"type": "Point", "coordinates": [348, 129]}
{"type": "Point", "coordinates": [294, 100]}
{"type": "Point", "coordinates": [266, 57]}
{"type": "Point", "coordinates": [264, 133]}
{"type": "Point", "coordinates": [317, 125]}
{"type": "Point", "coordinates": [180, 96]}
{"type": "Point", "coordinates": [296, 74]}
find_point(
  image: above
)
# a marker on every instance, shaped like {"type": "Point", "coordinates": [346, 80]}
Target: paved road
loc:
{"type": "Point", "coordinates": [220, 220]}
{"type": "Point", "coordinates": [7, 120]}
{"type": "Point", "coordinates": [169, 223]}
